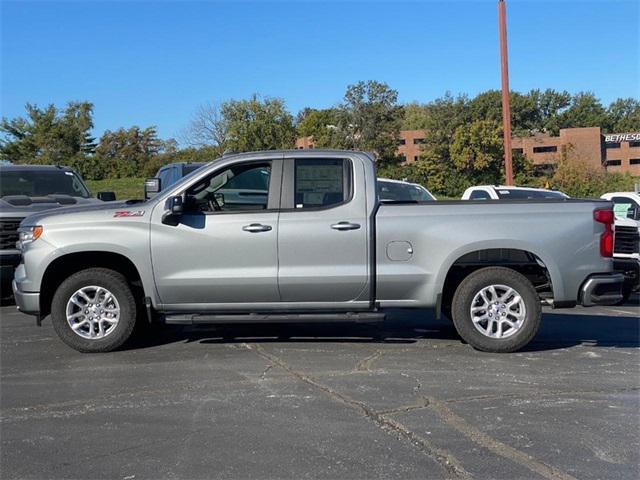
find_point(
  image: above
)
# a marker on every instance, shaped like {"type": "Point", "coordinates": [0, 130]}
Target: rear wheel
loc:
{"type": "Point", "coordinates": [496, 309]}
{"type": "Point", "coordinates": [94, 310]}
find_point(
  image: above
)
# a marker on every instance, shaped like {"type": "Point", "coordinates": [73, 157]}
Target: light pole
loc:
{"type": "Point", "coordinates": [506, 110]}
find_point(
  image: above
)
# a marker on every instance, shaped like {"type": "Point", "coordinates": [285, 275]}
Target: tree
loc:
{"type": "Point", "coordinates": [321, 125]}
{"type": "Point", "coordinates": [524, 113]}
{"type": "Point", "coordinates": [370, 119]}
{"type": "Point", "coordinates": [48, 135]}
{"type": "Point", "coordinates": [443, 116]}
{"type": "Point", "coordinates": [415, 117]}
{"type": "Point", "coordinates": [585, 111]}
{"type": "Point", "coordinates": [125, 152]}
{"type": "Point", "coordinates": [624, 115]}
{"type": "Point", "coordinates": [550, 104]}
{"type": "Point", "coordinates": [579, 179]}
{"type": "Point", "coordinates": [477, 150]}
{"type": "Point", "coordinates": [207, 128]}
{"type": "Point", "coordinates": [258, 124]}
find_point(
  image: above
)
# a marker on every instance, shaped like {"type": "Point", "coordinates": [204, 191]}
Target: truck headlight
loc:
{"type": "Point", "coordinates": [28, 234]}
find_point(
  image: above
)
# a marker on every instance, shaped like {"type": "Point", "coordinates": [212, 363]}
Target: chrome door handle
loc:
{"type": "Point", "coordinates": [256, 227]}
{"type": "Point", "coordinates": [345, 226]}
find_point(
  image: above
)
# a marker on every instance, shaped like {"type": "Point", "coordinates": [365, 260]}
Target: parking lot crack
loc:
{"type": "Point", "coordinates": [451, 465]}
{"type": "Point", "coordinates": [477, 436]}
{"type": "Point", "coordinates": [422, 402]}
{"type": "Point", "coordinates": [366, 363]}
{"type": "Point", "coordinates": [264, 373]}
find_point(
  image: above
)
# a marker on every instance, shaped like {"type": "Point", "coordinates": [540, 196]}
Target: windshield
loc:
{"type": "Point", "coordinates": [527, 194]}
{"type": "Point", "coordinates": [40, 183]}
{"type": "Point", "coordinates": [402, 192]}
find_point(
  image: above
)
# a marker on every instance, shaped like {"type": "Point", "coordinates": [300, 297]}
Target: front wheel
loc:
{"type": "Point", "coordinates": [496, 309]}
{"type": "Point", "coordinates": [94, 310]}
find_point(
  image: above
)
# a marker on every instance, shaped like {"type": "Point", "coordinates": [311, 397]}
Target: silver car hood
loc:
{"type": "Point", "coordinates": [96, 206]}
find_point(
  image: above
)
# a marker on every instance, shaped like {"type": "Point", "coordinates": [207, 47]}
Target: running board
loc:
{"type": "Point", "coordinates": [205, 318]}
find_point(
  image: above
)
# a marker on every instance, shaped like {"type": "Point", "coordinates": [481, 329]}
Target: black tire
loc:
{"type": "Point", "coordinates": [446, 313]}
{"type": "Point", "coordinates": [472, 285]}
{"type": "Point", "coordinates": [115, 283]}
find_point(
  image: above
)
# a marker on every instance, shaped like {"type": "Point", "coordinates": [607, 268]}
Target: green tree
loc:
{"type": "Point", "coordinates": [624, 115]}
{"type": "Point", "coordinates": [579, 179]}
{"type": "Point", "coordinates": [443, 116]}
{"type": "Point", "coordinates": [370, 119]}
{"type": "Point", "coordinates": [48, 135]}
{"type": "Point", "coordinates": [321, 125]}
{"type": "Point", "coordinates": [125, 152]}
{"type": "Point", "coordinates": [258, 124]}
{"type": "Point", "coordinates": [477, 151]}
{"type": "Point", "coordinates": [524, 112]}
{"type": "Point", "coordinates": [585, 111]}
{"type": "Point", "coordinates": [415, 117]}
{"type": "Point", "coordinates": [550, 104]}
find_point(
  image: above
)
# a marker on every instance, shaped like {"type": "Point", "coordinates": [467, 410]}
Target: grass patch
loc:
{"type": "Point", "coordinates": [125, 188]}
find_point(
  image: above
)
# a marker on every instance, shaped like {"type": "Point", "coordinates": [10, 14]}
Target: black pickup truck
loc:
{"type": "Point", "coordinates": [29, 189]}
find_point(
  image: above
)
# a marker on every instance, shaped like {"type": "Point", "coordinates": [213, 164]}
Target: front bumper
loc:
{"type": "Point", "coordinates": [8, 263]}
{"type": "Point", "coordinates": [27, 302]}
{"type": "Point", "coordinates": [602, 289]}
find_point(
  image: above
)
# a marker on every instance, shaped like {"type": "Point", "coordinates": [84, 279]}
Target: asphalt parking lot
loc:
{"type": "Point", "coordinates": [405, 400]}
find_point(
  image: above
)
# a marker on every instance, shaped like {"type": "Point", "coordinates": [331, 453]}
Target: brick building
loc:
{"type": "Point", "coordinates": [410, 144]}
{"type": "Point", "coordinates": [616, 152]}
{"type": "Point", "coordinates": [619, 152]}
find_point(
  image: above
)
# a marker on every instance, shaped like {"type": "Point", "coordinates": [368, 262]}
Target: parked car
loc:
{"type": "Point", "coordinates": [167, 175]}
{"type": "Point", "coordinates": [399, 191]}
{"type": "Point", "coordinates": [501, 192]}
{"type": "Point", "coordinates": [626, 249]}
{"type": "Point", "coordinates": [319, 246]}
{"type": "Point", "coordinates": [27, 189]}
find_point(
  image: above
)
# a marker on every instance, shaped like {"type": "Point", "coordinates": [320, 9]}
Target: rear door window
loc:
{"type": "Point", "coordinates": [321, 183]}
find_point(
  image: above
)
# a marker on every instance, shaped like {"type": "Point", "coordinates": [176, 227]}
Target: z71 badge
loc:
{"type": "Point", "coordinates": [128, 213]}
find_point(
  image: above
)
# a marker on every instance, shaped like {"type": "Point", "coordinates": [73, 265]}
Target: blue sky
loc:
{"type": "Point", "coordinates": [152, 63]}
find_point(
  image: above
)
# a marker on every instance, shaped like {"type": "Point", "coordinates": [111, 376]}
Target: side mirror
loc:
{"type": "Point", "coordinates": [106, 196]}
{"type": "Point", "coordinates": [219, 199]}
{"type": "Point", "coordinates": [633, 213]}
{"type": "Point", "coordinates": [174, 207]}
{"type": "Point", "coordinates": [152, 186]}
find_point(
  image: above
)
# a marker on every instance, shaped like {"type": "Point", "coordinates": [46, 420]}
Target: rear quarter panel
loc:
{"type": "Point", "coordinates": [562, 234]}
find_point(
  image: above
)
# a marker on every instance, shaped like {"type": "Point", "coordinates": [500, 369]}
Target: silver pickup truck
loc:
{"type": "Point", "coordinates": [303, 237]}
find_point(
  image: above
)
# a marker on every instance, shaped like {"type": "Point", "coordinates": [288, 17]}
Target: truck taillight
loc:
{"type": "Point", "coordinates": [606, 217]}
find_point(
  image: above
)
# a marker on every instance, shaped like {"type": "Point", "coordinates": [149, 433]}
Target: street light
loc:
{"type": "Point", "coordinates": [506, 110]}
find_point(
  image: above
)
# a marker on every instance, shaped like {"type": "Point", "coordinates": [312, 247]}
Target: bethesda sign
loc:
{"type": "Point", "coordinates": [622, 137]}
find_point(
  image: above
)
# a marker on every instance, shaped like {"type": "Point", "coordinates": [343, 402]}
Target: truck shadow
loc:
{"type": "Point", "coordinates": [404, 327]}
